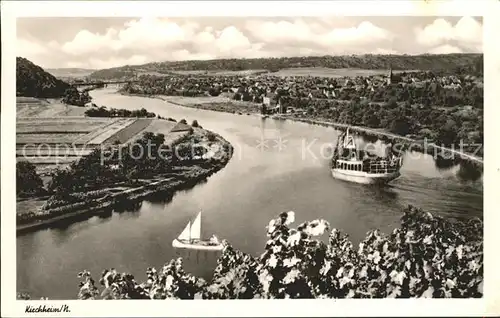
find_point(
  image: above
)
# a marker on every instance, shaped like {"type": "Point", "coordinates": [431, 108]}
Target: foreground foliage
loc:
{"type": "Point", "coordinates": [426, 257]}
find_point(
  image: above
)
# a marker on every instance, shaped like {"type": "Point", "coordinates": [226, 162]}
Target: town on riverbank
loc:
{"type": "Point", "coordinates": [443, 108]}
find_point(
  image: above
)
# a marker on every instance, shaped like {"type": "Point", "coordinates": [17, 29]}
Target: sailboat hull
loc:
{"type": "Point", "coordinates": [199, 245]}
{"type": "Point", "coordinates": [190, 238]}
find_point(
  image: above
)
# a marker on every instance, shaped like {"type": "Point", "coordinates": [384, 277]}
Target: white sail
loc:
{"type": "Point", "coordinates": [196, 228]}
{"type": "Point", "coordinates": [185, 233]}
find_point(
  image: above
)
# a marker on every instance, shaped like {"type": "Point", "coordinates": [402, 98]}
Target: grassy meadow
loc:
{"type": "Point", "coordinates": [51, 135]}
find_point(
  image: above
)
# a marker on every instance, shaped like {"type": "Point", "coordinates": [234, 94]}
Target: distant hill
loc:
{"type": "Point", "coordinates": [438, 62]}
{"type": "Point", "coordinates": [34, 81]}
{"type": "Point", "coordinates": [70, 72]}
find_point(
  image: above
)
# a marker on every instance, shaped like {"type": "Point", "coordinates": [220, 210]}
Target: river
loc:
{"type": "Point", "coordinates": [277, 166]}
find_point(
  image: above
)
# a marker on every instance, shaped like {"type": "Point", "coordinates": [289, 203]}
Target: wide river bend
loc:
{"type": "Point", "coordinates": [277, 166]}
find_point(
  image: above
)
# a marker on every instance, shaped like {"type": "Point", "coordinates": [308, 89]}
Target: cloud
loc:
{"type": "Point", "coordinates": [26, 47]}
{"type": "Point", "coordinates": [467, 32]}
{"type": "Point", "coordinates": [365, 32]}
{"type": "Point", "coordinates": [315, 35]}
{"type": "Point", "coordinates": [87, 42]}
{"type": "Point", "coordinates": [145, 34]}
{"type": "Point", "coordinates": [181, 55]}
{"type": "Point", "coordinates": [384, 51]}
{"type": "Point", "coordinates": [36, 51]}
{"type": "Point", "coordinates": [100, 63]}
{"type": "Point", "coordinates": [144, 40]}
{"type": "Point", "coordinates": [160, 39]}
{"type": "Point", "coordinates": [155, 39]}
{"type": "Point", "coordinates": [231, 40]}
{"type": "Point", "coordinates": [445, 49]}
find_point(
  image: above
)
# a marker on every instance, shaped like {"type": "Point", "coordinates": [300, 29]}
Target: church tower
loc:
{"type": "Point", "coordinates": [390, 77]}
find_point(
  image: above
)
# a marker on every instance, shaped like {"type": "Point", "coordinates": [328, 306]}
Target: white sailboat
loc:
{"type": "Point", "coordinates": [190, 238]}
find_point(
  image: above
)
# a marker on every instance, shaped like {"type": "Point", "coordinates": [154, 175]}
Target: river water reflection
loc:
{"type": "Point", "coordinates": [272, 170]}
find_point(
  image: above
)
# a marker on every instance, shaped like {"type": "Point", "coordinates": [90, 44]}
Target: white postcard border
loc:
{"type": "Point", "coordinates": [488, 305]}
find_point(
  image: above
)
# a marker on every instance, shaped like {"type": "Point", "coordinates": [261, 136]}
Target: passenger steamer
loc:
{"type": "Point", "coordinates": [354, 165]}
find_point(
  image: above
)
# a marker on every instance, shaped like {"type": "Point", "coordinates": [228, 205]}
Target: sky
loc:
{"type": "Point", "coordinates": [98, 43]}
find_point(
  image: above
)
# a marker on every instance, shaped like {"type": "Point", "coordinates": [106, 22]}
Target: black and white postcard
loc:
{"type": "Point", "coordinates": [309, 158]}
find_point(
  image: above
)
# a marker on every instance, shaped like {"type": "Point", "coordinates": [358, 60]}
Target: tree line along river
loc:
{"type": "Point", "coordinates": [277, 166]}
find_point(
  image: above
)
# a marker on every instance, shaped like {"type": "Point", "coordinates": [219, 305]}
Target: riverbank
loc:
{"type": "Point", "coordinates": [246, 194]}
{"type": "Point", "coordinates": [180, 178]}
{"type": "Point", "coordinates": [216, 103]}
{"type": "Point", "coordinates": [420, 146]}
{"type": "Point", "coordinates": [241, 109]}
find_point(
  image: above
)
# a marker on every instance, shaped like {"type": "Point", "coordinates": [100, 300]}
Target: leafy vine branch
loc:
{"type": "Point", "coordinates": [427, 256]}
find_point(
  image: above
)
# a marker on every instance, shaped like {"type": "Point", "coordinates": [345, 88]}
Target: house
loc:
{"type": "Point", "coordinates": [326, 93]}
{"type": "Point", "coordinates": [347, 89]}
{"type": "Point", "coordinates": [329, 93]}
{"type": "Point", "coordinates": [348, 82]}
{"type": "Point", "coordinates": [316, 93]}
{"type": "Point", "coordinates": [277, 109]}
{"type": "Point", "coordinates": [272, 98]}
{"type": "Point", "coordinates": [393, 78]}
{"type": "Point", "coordinates": [453, 86]}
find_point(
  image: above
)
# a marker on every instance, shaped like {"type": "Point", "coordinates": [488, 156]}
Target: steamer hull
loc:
{"type": "Point", "coordinates": [365, 178]}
